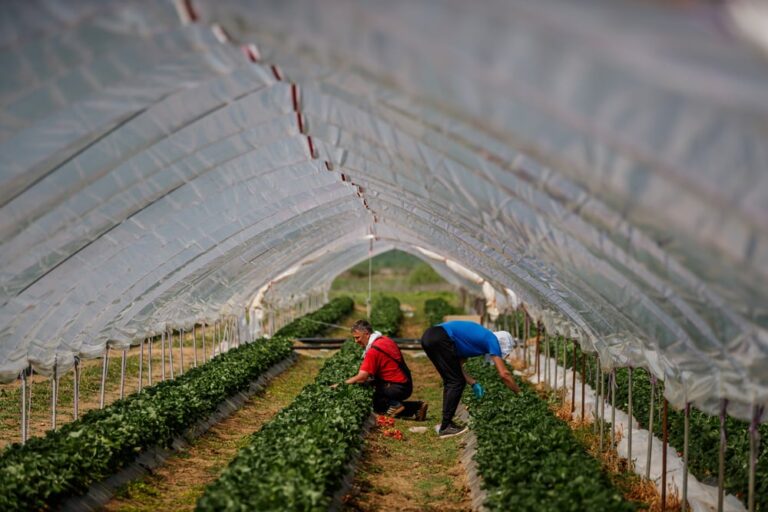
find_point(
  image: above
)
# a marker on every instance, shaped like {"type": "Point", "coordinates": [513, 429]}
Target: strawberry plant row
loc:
{"type": "Point", "coordinates": [298, 460]}
{"type": "Point", "coordinates": [65, 462]}
{"type": "Point", "coordinates": [704, 435]}
{"type": "Point", "coordinates": [317, 322]}
{"type": "Point", "coordinates": [436, 309]}
{"type": "Point", "coordinates": [386, 315]}
{"type": "Point", "coordinates": [528, 458]}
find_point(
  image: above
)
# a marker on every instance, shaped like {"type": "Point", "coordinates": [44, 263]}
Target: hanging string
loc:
{"type": "Point", "coordinates": [370, 281]}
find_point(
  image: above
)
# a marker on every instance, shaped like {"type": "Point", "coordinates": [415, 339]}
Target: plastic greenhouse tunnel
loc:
{"type": "Point", "coordinates": [185, 184]}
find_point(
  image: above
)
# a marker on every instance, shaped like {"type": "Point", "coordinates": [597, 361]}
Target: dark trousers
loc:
{"type": "Point", "coordinates": [388, 394]}
{"type": "Point", "coordinates": [441, 351]}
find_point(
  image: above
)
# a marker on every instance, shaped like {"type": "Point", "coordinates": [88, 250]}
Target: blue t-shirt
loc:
{"type": "Point", "coordinates": [471, 339]}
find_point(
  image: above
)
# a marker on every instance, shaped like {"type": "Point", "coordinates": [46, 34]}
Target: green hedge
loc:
{"type": "Point", "coordinates": [315, 323]}
{"type": "Point", "coordinates": [528, 458]}
{"type": "Point", "coordinates": [297, 460]}
{"type": "Point", "coordinates": [704, 436]}
{"type": "Point", "coordinates": [386, 315]}
{"type": "Point", "coordinates": [67, 461]}
{"type": "Point", "coordinates": [436, 309]}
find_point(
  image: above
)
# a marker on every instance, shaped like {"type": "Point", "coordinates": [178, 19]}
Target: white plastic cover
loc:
{"type": "Point", "coordinates": [606, 160]}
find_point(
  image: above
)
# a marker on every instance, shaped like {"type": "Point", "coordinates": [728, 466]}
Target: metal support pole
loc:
{"type": "Point", "coordinates": [527, 328]}
{"type": "Point", "coordinates": [613, 408]}
{"type": "Point", "coordinates": [573, 381]}
{"type": "Point", "coordinates": [721, 466]}
{"type": "Point", "coordinates": [517, 335]}
{"type": "Point", "coordinates": [631, 421]}
{"type": "Point", "coordinates": [754, 443]}
{"type": "Point", "coordinates": [170, 350]}
{"type": "Point", "coordinates": [54, 392]}
{"type": "Point", "coordinates": [686, 426]}
{"type": "Point", "coordinates": [650, 429]}
{"type": "Point", "coordinates": [664, 442]}
{"type": "Point", "coordinates": [583, 384]}
{"type": "Point", "coordinates": [181, 351]}
{"type": "Point", "coordinates": [565, 366]}
{"type": "Point", "coordinates": [596, 390]}
{"type": "Point", "coordinates": [76, 386]}
{"type": "Point", "coordinates": [104, 367]}
{"type": "Point", "coordinates": [162, 355]}
{"type": "Point", "coordinates": [554, 353]}
{"type": "Point", "coordinates": [23, 377]}
{"type": "Point", "coordinates": [215, 337]}
{"type": "Point", "coordinates": [141, 364]}
{"type": "Point", "coordinates": [203, 329]}
{"type": "Point", "coordinates": [602, 407]}
{"type": "Point", "coordinates": [517, 324]}
{"type": "Point", "coordinates": [149, 359]}
{"type": "Point", "coordinates": [538, 352]}
{"type": "Point", "coordinates": [29, 404]}
{"type": "Point", "coordinates": [547, 368]}
{"type": "Point", "coordinates": [194, 343]}
{"type": "Point", "coordinates": [122, 374]}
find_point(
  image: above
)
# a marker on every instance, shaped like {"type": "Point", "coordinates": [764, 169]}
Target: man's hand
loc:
{"type": "Point", "coordinates": [501, 369]}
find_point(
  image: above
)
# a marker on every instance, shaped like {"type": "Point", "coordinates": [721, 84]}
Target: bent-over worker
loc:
{"type": "Point", "coordinates": [448, 346]}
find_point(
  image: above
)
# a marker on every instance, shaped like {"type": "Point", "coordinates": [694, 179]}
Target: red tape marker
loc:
{"type": "Point", "coordinates": [311, 147]}
{"type": "Point", "coordinates": [295, 97]}
{"type": "Point", "coordinates": [190, 10]}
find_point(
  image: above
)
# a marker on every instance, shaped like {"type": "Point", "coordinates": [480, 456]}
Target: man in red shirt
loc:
{"type": "Point", "coordinates": [385, 364]}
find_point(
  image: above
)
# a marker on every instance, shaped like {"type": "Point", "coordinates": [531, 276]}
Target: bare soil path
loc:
{"type": "Point", "coordinates": [419, 473]}
{"type": "Point", "coordinates": [177, 484]}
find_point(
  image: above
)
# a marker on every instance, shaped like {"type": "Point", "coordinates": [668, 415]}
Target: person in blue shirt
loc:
{"type": "Point", "coordinates": [448, 346]}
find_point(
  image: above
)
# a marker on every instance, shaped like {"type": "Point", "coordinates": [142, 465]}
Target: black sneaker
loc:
{"type": "Point", "coordinates": [421, 414]}
{"type": "Point", "coordinates": [451, 430]}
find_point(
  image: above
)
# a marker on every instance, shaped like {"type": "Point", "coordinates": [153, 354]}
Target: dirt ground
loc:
{"type": "Point", "coordinates": [419, 473]}
{"type": "Point", "coordinates": [177, 484]}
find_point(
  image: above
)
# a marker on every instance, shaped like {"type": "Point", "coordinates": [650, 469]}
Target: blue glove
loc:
{"type": "Point", "coordinates": [478, 390]}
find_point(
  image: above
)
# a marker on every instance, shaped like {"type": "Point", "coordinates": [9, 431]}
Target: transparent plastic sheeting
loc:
{"type": "Point", "coordinates": [316, 274]}
{"type": "Point", "coordinates": [604, 161]}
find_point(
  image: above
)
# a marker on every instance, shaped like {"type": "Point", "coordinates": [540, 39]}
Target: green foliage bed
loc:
{"type": "Point", "coordinates": [67, 461]}
{"type": "Point", "coordinates": [704, 436]}
{"type": "Point", "coordinates": [386, 315]}
{"type": "Point", "coordinates": [528, 458]}
{"type": "Point", "coordinates": [316, 322]}
{"type": "Point", "coordinates": [297, 460]}
{"type": "Point", "coordinates": [436, 309]}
